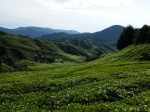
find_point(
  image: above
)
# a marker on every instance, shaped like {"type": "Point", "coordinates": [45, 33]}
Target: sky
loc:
{"type": "Point", "coordinates": [79, 15]}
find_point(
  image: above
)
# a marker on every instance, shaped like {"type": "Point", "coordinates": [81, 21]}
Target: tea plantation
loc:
{"type": "Point", "coordinates": [118, 82]}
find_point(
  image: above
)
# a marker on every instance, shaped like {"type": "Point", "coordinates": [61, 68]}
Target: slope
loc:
{"type": "Point", "coordinates": [19, 47]}
{"type": "Point", "coordinates": [139, 52]}
{"type": "Point", "coordinates": [85, 48]}
{"type": "Point", "coordinates": [105, 85]}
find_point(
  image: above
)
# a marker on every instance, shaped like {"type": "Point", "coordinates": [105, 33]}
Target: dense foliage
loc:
{"type": "Point", "coordinates": [142, 35]}
{"type": "Point", "coordinates": [114, 83]}
{"type": "Point", "coordinates": [134, 36]}
{"type": "Point", "coordinates": [126, 37]}
{"type": "Point", "coordinates": [14, 48]}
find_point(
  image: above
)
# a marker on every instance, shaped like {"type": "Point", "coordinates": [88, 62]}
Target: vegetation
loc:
{"type": "Point", "coordinates": [134, 36]}
{"type": "Point", "coordinates": [142, 35]}
{"type": "Point", "coordinates": [126, 37]}
{"type": "Point", "coordinates": [115, 82]}
{"type": "Point", "coordinates": [14, 48]}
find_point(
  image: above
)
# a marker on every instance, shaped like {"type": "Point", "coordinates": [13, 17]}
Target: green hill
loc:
{"type": "Point", "coordinates": [85, 48]}
{"type": "Point", "coordinates": [15, 48]}
{"type": "Point", "coordinates": [116, 82]}
{"type": "Point", "coordinates": [133, 53]}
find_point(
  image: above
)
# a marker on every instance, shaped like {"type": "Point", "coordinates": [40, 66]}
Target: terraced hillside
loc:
{"type": "Point", "coordinates": [27, 48]}
{"type": "Point", "coordinates": [133, 53]}
{"type": "Point", "coordinates": [118, 82]}
{"type": "Point", "coordinates": [15, 47]}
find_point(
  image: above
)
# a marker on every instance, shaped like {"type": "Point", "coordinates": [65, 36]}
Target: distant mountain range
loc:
{"type": "Point", "coordinates": [110, 34]}
{"type": "Point", "coordinates": [35, 32]}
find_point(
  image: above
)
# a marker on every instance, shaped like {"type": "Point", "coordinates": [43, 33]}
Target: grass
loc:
{"type": "Point", "coordinates": [114, 83]}
{"type": "Point", "coordinates": [77, 87]}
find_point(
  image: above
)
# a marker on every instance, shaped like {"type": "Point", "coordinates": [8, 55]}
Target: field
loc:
{"type": "Point", "coordinates": [106, 85]}
{"type": "Point", "coordinates": [118, 82]}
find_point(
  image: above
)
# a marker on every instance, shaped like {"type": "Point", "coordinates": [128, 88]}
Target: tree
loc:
{"type": "Point", "coordinates": [148, 37]}
{"type": "Point", "coordinates": [2, 53]}
{"type": "Point", "coordinates": [126, 37]}
{"type": "Point", "coordinates": [142, 35]}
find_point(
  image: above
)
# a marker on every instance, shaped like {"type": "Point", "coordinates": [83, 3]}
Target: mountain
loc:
{"type": "Point", "coordinates": [35, 31]}
{"type": "Point", "coordinates": [110, 34]}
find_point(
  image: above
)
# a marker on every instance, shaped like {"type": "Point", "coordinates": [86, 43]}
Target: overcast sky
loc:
{"type": "Point", "coordinates": [80, 15]}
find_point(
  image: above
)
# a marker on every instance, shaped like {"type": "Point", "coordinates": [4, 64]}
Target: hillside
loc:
{"type": "Point", "coordinates": [89, 49]}
{"type": "Point", "coordinates": [116, 82]}
{"type": "Point", "coordinates": [19, 47]}
{"type": "Point", "coordinates": [15, 48]}
{"type": "Point", "coordinates": [35, 31]}
{"type": "Point", "coordinates": [110, 34]}
{"type": "Point", "coordinates": [134, 53]}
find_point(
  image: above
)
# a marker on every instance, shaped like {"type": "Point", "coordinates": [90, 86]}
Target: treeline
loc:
{"type": "Point", "coordinates": [131, 35]}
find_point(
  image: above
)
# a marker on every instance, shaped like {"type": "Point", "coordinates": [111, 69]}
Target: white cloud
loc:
{"type": "Point", "coordinates": [90, 7]}
{"type": "Point", "coordinates": [81, 15]}
{"type": "Point", "coordinates": [80, 4]}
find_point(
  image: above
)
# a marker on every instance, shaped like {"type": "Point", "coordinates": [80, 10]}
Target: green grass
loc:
{"type": "Point", "coordinates": [74, 87]}
{"type": "Point", "coordinates": [113, 83]}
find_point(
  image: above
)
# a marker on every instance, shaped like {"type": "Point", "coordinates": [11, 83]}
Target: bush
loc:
{"type": "Point", "coordinates": [22, 65]}
{"type": "Point", "coordinates": [5, 68]}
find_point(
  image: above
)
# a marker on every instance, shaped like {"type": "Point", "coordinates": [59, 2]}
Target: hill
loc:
{"type": "Point", "coordinates": [15, 48]}
{"type": "Point", "coordinates": [35, 31]}
{"type": "Point", "coordinates": [116, 82]}
{"type": "Point", "coordinates": [19, 47]}
{"type": "Point", "coordinates": [134, 53]}
{"type": "Point", "coordinates": [86, 48]}
{"type": "Point", "coordinates": [110, 34]}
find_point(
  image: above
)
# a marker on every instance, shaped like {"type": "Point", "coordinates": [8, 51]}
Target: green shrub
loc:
{"type": "Point", "coordinates": [5, 68]}
{"type": "Point", "coordinates": [22, 65]}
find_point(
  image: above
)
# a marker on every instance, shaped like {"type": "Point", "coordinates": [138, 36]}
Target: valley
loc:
{"type": "Point", "coordinates": [73, 74]}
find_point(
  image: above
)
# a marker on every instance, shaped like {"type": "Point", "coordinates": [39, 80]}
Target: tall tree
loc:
{"type": "Point", "coordinates": [142, 35]}
{"type": "Point", "coordinates": [148, 37]}
{"type": "Point", "coordinates": [2, 53]}
{"type": "Point", "coordinates": [126, 37]}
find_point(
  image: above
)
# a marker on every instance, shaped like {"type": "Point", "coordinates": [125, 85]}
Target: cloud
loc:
{"type": "Point", "coordinates": [62, 1]}
{"type": "Point", "coordinates": [82, 15]}
{"type": "Point", "coordinates": [79, 4]}
{"type": "Point", "coordinates": [100, 7]}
